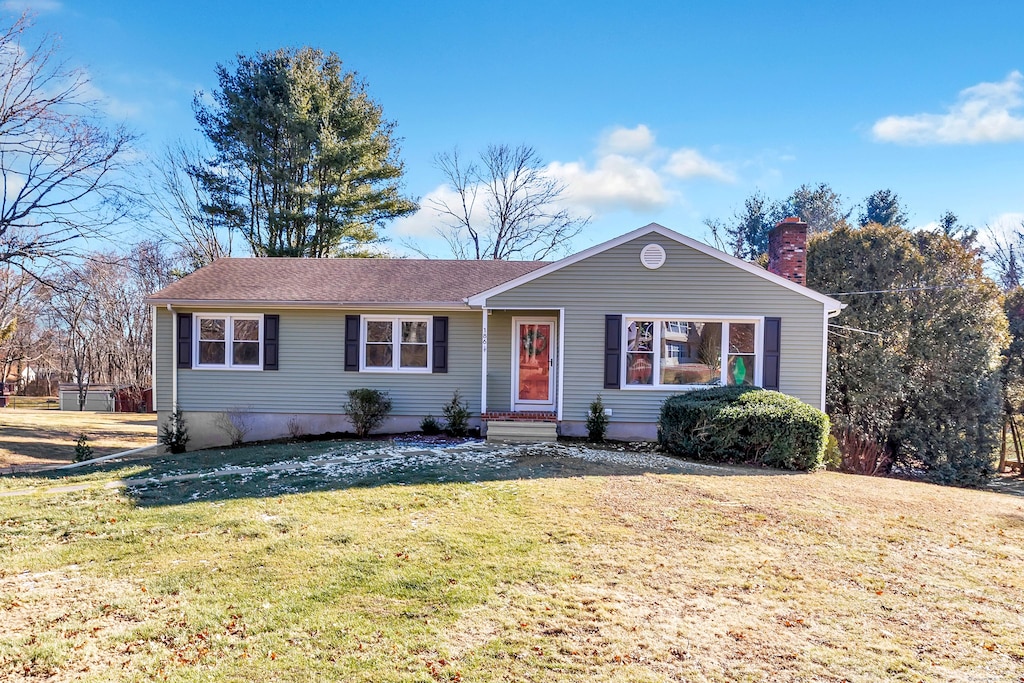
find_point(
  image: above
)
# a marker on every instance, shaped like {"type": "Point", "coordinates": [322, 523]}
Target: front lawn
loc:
{"type": "Point", "coordinates": [33, 438]}
{"type": "Point", "coordinates": [561, 564]}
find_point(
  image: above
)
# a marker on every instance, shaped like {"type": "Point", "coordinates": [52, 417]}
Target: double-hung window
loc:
{"type": "Point", "coordinates": [690, 352]}
{"type": "Point", "coordinates": [396, 344]}
{"type": "Point", "coordinates": [232, 341]}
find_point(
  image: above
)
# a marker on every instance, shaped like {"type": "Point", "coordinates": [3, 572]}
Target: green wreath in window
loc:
{"type": "Point", "coordinates": [535, 342]}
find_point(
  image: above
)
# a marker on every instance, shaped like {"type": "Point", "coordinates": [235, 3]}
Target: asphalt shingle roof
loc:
{"type": "Point", "coordinates": [341, 281]}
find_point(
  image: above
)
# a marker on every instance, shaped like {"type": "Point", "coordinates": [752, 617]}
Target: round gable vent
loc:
{"type": "Point", "coordinates": [652, 256]}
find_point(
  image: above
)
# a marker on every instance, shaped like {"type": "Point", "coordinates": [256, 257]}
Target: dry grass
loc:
{"type": "Point", "coordinates": [37, 438]}
{"type": "Point", "coordinates": [825, 577]}
{"type": "Point", "coordinates": [641, 577]}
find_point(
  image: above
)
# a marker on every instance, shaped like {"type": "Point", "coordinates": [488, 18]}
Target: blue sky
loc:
{"type": "Point", "coordinates": [661, 111]}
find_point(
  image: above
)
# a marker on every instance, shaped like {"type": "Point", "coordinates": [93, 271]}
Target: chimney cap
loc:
{"type": "Point", "coordinates": [790, 220]}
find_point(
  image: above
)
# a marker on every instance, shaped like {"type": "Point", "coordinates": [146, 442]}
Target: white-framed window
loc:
{"type": "Point", "coordinates": [228, 341]}
{"type": "Point", "coordinates": [401, 343]}
{"type": "Point", "coordinates": [686, 352]}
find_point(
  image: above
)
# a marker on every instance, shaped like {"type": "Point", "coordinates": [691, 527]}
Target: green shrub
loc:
{"type": "Point", "coordinates": [833, 458]}
{"type": "Point", "coordinates": [83, 451]}
{"type": "Point", "coordinates": [734, 424]}
{"type": "Point", "coordinates": [456, 415]}
{"type": "Point", "coordinates": [597, 421]}
{"type": "Point", "coordinates": [430, 425]}
{"type": "Point", "coordinates": [367, 408]}
{"type": "Point", "coordinates": [174, 432]}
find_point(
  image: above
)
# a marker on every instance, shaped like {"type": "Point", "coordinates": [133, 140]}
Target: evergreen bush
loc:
{"type": "Point", "coordinates": [456, 415]}
{"type": "Point", "coordinates": [735, 424]}
{"type": "Point", "coordinates": [174, 432]}
{"type": "Point", "coordinates": [83, 451]}
{"type": "Point", "coordinates": [430, 425]}
{"type": "Point", "coordinates": [597, 421]}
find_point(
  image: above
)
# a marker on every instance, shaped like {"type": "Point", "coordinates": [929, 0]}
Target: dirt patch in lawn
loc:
{"type": "Point", "coordinates": [33, 439]}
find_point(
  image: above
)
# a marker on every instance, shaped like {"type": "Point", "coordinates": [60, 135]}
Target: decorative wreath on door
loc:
{"type": "Point", "coordinates": [535, 342]}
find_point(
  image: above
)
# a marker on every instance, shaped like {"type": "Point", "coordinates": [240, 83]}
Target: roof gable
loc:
{"type": "Point", "coordinates": [481, 298]}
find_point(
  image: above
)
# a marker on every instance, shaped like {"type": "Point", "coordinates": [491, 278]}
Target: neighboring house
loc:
{"type": "Point", "coordinates": [635, 319]}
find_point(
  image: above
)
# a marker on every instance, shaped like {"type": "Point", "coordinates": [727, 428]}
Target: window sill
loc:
{"type": "Point", "coordinates": [233, 368]}
{"type": "Point", "coordinates": [670, 387]}
{"type": "Point", "coordinates": [392, 371]}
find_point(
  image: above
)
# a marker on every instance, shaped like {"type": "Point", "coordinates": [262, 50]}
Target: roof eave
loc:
{"type": "Point", "coordinates": [248, 303]}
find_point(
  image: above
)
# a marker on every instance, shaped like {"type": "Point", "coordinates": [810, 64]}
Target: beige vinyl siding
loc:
{"type": "Point", "coordinates": [689, 284]}
{"type": "Point", "coordinates": [312, 377]}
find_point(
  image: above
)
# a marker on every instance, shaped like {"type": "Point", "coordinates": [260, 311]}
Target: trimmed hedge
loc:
{"type": "Point", "coordinates": [734, 424]}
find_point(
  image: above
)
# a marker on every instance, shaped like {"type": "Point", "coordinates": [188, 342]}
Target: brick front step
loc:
{"type": "Point", "coordinates": [520, 417]}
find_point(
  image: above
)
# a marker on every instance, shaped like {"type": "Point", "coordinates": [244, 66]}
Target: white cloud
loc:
{"type": "Point", "coordinates": [112, 106]}
{"type": "Point", "coordinates": [987, 112]}
{"type": "Point", "coordinates": [35, 6]}
{"type": "Point", "coordinates": [615, 182]}
{"type": "Point", "coordinates": [629, 172]}
{"type": "Point", "coordinates": [427, 221]}
{"type": "Point", "coordinates": [630, 141]}
{"type": "Point", "coordinates": [1002, 227]}
{"type": "Point", "coordinates": [688, 163]}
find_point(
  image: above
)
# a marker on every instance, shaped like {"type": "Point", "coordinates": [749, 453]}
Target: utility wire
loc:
{"type": "Point", "coordinates": [855, 329]}
{"type": "Point", "coordinates": [893, 291]}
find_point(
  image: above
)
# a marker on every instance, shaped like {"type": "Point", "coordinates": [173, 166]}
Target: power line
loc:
{"type": "Point", "coordinates": [855, 329]}
{"type": "Point", "coordinates": [902, 289]}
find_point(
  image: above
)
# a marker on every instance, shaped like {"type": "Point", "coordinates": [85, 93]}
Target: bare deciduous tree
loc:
{"type": "Point", "coordinates": [521, 214]}
{"type": "Point", "coordinates": [71, 310]}
{"type": "Point", "coordinates": [98, 314]}
{"type": "Point", "coordinates": [58, 164]}
{"type": "Point", "coordinates": [181, 203]}
{"type": "Point", "coordinates": [1005, 254]}
{"type": "Point", "coordinates": [23, 341]}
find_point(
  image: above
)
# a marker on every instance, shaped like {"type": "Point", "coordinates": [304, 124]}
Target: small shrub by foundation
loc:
{"type": "Point", "coordinates": [367, 408]}
{"type": "Point", "coordinates": [597, 420]}
{"type": "Point", "coordinates": [456, 415]}
{"type": "Point", "coordinates": [430, 425]}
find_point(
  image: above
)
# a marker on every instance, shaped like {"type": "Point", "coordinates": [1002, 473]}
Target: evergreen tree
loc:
{"type": "Point", "coordinates": [883, 207]}
{"type": "Point", "coordinates": [305, 163]}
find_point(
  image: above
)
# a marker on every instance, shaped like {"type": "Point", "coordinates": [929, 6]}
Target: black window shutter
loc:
{"type": "Point", "coordinates": [772, 349]}
{"type": "Point", "coordinates": [440, 343]}
{"type": "Point", "coordinates": [612, 351]}
{"type": "Point", "coordinates": [271, 331]}
{"type": "Point", "coordinates": [352, 343]}
{"type": "Point", "coordinates": [184, 340]}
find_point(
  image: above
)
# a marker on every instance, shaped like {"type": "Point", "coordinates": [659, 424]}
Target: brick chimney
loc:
{"type": "Point", "coordinates": [787, 250]}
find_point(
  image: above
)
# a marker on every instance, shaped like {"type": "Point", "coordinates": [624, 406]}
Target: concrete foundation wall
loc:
{"type": "Point", "coordinates": [205, 431]}
{"type": "Point", "coordinates": [617, 431]}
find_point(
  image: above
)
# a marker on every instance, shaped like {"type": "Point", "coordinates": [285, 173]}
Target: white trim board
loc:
{"type": "Point", "coordinates": [830, 303]}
